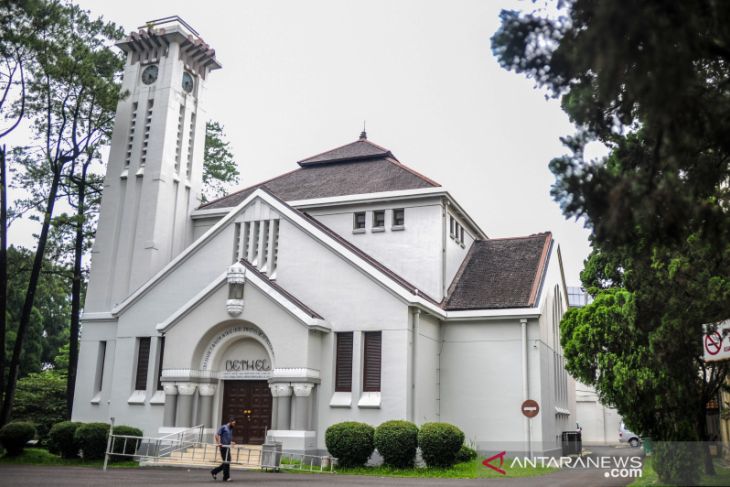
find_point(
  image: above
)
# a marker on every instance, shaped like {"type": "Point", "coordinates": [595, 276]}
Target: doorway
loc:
{"type": "Point", "coordinates": [249, 401]}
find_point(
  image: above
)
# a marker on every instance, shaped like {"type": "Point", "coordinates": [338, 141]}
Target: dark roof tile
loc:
{"type": "Point", "coordinates": [359, 150]}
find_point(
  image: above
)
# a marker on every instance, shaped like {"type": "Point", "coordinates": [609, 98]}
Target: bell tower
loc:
{"type": "Point", "coordinates": [154, 174]}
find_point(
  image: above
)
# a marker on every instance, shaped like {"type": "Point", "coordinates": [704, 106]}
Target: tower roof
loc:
{"type": "Point", "coordinates": [360, 150]}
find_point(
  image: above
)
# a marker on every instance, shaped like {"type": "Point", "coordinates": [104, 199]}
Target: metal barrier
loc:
{"type": "Point", "coordinates": [196, 452]}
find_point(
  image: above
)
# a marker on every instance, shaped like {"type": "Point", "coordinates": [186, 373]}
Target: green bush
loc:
{"type": "Point", "coordinates": [61, 439]}
{"type": "Point", "coordinates": [14, 436]}
{"type": "Point", "coordinates": [131, 445]}
{"type": "Point", "coordinates": [677, 463]}
{"type": "Point", "coordinates": [440, 443]}
{"type": "Point", "coordinates": [350, 442]}
{"type": "Point", "coordinates": [91, 440]}
{"type": "Point", "coordinates": [41, 400]}
{"type": "Point", "coordinates": [465, 454]}
{"type": "Point", "coordinates": [397, 442]}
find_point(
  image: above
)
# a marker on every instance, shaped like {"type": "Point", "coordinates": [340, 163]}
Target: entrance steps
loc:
{"type": "Point", "coordinates": [208, 455]}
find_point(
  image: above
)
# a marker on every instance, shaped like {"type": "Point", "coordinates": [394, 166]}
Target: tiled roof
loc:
{"type": "Point", "coordinates": [336, 177]}
{"type": "Point", "coordinates": [500, 273]}
{"type": "Point", "coordinates": [356, 151]}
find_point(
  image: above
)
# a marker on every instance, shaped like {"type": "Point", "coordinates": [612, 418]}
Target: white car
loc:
{"type": "Point", "coordinates": [626, 436]}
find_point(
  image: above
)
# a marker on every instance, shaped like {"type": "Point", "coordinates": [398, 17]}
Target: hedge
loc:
{"type": "Point", "coordinates": [61, 439]}
{"type": "Point", "coordinates": [397, 442]}
{"type": "Point", "coordinates": [440, 443]}
{"type": "Point", "coordinates": [350, 442]}
{"type": "Point", "coordinates": [91, 439]}
{"type": "Point", "coordinates": [465, 454]}
{"type": "Point", "coordinates": [14, 436]}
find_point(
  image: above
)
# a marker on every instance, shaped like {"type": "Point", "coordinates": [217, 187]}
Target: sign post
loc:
{"type": "Point", "coordinates": [530, 408]}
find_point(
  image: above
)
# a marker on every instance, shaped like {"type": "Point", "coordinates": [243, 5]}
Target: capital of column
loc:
{"type": "Point", "coordinates": [280, 390]}
{"type": "Point", "coordinates": [303, 389]}
{"type": "Point", "coordinates": [170, 389]}
{"type": "Point", "coordinates": [206, 389]}
{"type": "Point", "coordinates": [186, 388]}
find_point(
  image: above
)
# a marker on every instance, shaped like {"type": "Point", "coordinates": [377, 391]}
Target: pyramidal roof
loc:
{"type": "Point", "coordinates": [360, 150]}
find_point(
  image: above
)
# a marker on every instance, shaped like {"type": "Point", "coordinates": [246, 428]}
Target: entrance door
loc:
{"type": "Point", "coordinates": [249, 401]}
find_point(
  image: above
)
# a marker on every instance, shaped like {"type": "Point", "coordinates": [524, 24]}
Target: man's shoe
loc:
{"type": "Point", "coordinates": [227, 480]}
{"type": "Point", "coordinates": [214, 475]}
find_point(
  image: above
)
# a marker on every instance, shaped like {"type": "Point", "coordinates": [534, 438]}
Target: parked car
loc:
{"type": "Point", "coordinates": [627, 436]}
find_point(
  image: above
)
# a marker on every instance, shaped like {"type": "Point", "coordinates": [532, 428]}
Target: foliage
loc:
{"type": "Point", "coordinates": [40, 456]}
{"type": "Point", "coordinates": [466, 454]}
{"type": "Point", "coordinates": [91, 439]}
{"type": "Point", "coordinates": [131, 444]}
{"type": "Point", "coordinates": [397, 442]}
{"type": "Point", "coordinates": [41, 399]}
{"type": "Point", "coordinates": [61, 439]}
{"type": "Point", "coordinates": [648, 80]}
{"type": "Point", "coordinates": [440, 443]}
{"type": "Point", "coordinates": [350, 442]}
{"type": "Point", "coordinates": [14, 436]}
{"type": "Point", "coordinates": [675, 462]}
{"type": "Point", "coordinates": [220, 170]}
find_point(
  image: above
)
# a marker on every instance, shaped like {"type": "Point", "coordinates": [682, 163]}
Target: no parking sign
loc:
{"type": "Point", "coordinates": [716, 343]}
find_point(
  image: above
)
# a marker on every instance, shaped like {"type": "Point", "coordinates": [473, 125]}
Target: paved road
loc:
{"type": "Point", "coordinates": [79, 476]}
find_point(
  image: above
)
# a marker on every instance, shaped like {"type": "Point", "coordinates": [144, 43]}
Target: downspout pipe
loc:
{"type": "Point", "coordinates": [414, 362]}
{"type": "Point", "coordinates": [525, 384]}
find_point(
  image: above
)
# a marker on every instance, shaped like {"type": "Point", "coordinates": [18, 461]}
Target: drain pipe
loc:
{"type": "Point", "coordinates": [414, 362]}
{"type": "Point", "coordinates": [525, 384]}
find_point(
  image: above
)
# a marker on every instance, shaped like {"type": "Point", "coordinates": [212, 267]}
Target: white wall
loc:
{"type": "Point", "coordinates": [600, 424]}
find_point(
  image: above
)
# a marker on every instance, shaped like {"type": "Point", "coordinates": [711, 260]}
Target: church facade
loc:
{"type": "Point", "coordinates": [351, 288]}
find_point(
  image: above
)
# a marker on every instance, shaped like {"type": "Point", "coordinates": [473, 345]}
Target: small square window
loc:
{"type": "Point", "coordinates": [399, 217]}
{"type": "Point", "coordinates": [359, 221]}
{"type": "Point", "coordinates": [379, 219]}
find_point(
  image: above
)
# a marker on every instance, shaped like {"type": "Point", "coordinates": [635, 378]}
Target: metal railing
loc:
{"type": "Point", "coordinates": [187, 448]}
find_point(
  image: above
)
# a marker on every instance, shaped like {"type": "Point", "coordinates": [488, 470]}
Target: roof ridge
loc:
{"type": "Point", "coordinates": [414, 172]}
{"type": "Point", "coordinates": [524, 237]}
{"type": "Point", "coordinates": [541, 268]}
{"type": "Point", "coordinates": [253, 186]}
{"type": "Point", "coordinates": [312, 160]}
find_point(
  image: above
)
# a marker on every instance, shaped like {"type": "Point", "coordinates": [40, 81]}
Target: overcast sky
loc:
{"type": "Point", "coordinates": [299, 77]}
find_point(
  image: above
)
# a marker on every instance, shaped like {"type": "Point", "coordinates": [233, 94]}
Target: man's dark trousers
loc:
{"type": "Point", "coordinates": [226, 465]}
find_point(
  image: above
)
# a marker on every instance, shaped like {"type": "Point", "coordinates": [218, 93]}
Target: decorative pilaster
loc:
{"type": "Point", "coordinates": [301, 406]}
{"type": "Point", "coordinates": [205, 409]}
{"type": "Point", "coordinates": [184, 416]}
{"type": "Point", "coordinates": [282, 393]}
{"type": "Point", "coordinates": [168, 417]}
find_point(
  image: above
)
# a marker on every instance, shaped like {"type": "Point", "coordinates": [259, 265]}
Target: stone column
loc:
{"type": "Point", "coordinates": [302, 399]}
{"type": "Point", "coordinates": [274, 406]}
{"type": "Point", "coordinates": [168, 417]}
{"type": "Point", "coordinates": [205, 409]}
{"type": "Point", "coordinates": [184, 416]}
{"type": "Point", "coordinates": [282, 393]}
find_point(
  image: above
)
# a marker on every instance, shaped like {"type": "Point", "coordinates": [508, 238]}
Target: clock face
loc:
{"type": "Point", "coordinates": [149, 75]}
{"type": "Point", "coordinates": [187, 82]}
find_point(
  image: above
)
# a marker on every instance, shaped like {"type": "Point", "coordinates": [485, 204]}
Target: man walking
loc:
{"type": "Point", "coordinates": [223, 440]}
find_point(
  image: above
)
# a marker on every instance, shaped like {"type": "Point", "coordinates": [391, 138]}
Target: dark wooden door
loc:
{"type": "Point", "coordinates": [249, 401]}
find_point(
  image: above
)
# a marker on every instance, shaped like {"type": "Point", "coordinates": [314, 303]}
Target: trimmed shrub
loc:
{"type": "Point", "coordinates": [131, 445]}
{"type": "Point", "coordinates": [61, 439]}
{"type": "Point", "coordinates": [465, 454]}
{"type": "Point", "coordinates": [91, 440]}
{"type": "Point", "coordinates": [397, 442]}
{"type": "Point", "coordinates": [14, 436]}
{"type": "Point", "coordinates": [440, 443]}
{"type": "Point", "coordinates": [677, 463]}
{"type": "Point", "coordinates": [350, 442]}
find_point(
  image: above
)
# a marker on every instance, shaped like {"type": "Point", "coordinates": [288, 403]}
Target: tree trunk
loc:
{"type": "Point", "coordinates": [705, 444]}
{"type": "Point", "coordinates": [3, 264]}
{"type": "Point", "coordinates": [73, 346]}
{"type": "Point", "coordinates": [25, 316]}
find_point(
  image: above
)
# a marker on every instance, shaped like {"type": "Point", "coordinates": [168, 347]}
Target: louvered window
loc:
{"type": "Point", "coordinates": [159, 363]}
{"type": "Point", "coordinates": [343, 365]}
{"type": "Point", "coordinates": [143, 363]}
{"type": "Point", "coordinates": [371, 364]}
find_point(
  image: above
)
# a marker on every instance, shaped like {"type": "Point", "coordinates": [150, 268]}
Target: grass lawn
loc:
{"type": "Point", "coordinates": [466, 470]}
{"type": "Point", "coordinates": [650, 476]}
{"type": "Point", "coordinates": [39, 456]}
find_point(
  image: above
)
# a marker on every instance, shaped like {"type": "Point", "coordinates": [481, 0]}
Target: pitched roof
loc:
{"type": "Point", "coordinates": [362, 168]}
{"type": "Point", "coordinates": [500, 273]}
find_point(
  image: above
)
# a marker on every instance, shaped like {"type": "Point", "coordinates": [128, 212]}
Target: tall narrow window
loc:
{"type": "Point", "coordinates": [371, 363]}
{"type": "Point", "coordinates": [159, 363]}
{"type": "Point", "coordinates": [265, 247]}
{"type": "Point", "coordinates": [143, 363]}
{"type": "Point", "coordinates": [343, 364]}
{"type": "Point", "coordinates": [191, 145]}
{"type": "Point", "coordinates": [236, 242]}
{"type": "Point", "coordinates": [452, 226]}
{"type": "Point", "coordinates": [246, 237]}
{"type": "Point", "coordinates": [178, 148]}
{"type": "Point", "coordinates": [255, 242]}
{"type": "Point", "coordinates": [101, 357]}
{"type": "Point", "coordinates": [147, 128]}
{"type": "Point", "coordinates": [130, 138]}
{"type": "Point", "coordinates": [275, 249]}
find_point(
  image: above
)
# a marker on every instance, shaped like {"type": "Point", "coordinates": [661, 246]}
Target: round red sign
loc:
{"type": "Point", "coordinates": [713, 343]}
{"type": "Point", "coordinates": [530, 408]}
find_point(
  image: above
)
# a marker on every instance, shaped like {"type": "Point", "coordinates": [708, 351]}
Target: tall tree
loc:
{"type": "Point", "coordinates": [649, 80]}
{"type": "Point", "coordinates": [73, 91]}
{"type": "Point", "coordinates": [220, 170]}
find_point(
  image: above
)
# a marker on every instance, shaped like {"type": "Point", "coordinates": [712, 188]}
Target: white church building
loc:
{"type": "Point", "coordinates": [351, 288]}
